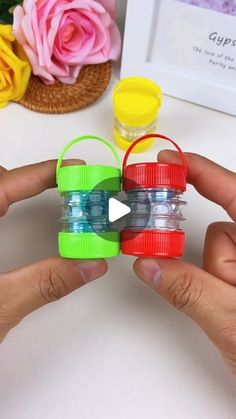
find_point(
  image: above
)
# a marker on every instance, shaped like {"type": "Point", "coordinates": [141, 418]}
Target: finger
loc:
{"type": "Point", "coordinates": [220, 251]}
{"type": "Point", "coordinates": [211, 180]}
{"type": "Point", "coordinates": [25, 182]}
{"type": "Point", "coordinates": [31, 287]}
{"type": "Point", "coordinates": [209, 301]}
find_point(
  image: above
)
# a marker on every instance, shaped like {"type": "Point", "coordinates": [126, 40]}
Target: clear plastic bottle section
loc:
{"type": "Point", "coordinates": [86, 212]}
{"type": "Point", "coordinates": [131, 133]}
{"type": "Point", "coordinates": [155, 209]}
{"type": "Point", "coordinates": [151, 209]}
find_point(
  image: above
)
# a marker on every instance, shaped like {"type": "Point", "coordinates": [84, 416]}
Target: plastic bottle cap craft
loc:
{"type": "Point", "coordinates": [136, 105]}
{"type": "Point", "coordinates": [154, 195]}
{"type": "Point", "coordinates": [86, 190]}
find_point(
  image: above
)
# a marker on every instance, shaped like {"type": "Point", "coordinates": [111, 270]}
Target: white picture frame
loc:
{"type": "Point", "coordinates": [142, 22]}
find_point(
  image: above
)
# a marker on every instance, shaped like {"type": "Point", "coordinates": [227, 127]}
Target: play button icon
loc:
{"type": "Point", "coordinates": [117, 210]}
{"type": "Point", "coordinates": [114, 211]}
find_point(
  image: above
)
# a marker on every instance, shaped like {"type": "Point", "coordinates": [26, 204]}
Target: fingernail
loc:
{"type": "Point", "coordinates": [150, 271]}
{"type": "Point", "coordinates": [91, 269]}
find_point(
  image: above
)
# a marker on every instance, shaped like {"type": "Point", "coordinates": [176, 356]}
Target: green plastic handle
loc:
{"type": "Point", "coordinates": [79, 139]}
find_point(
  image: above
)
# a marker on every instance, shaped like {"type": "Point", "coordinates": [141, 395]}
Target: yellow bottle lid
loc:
{"type": "Point", "coordinates": [137, 101]}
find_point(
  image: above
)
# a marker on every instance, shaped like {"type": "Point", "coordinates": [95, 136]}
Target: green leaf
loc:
{"type": "Point", "coordinates": [6, 10]}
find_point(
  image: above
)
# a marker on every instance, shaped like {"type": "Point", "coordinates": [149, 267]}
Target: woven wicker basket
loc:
{"type": "Point", "coordinates": [62, 98]}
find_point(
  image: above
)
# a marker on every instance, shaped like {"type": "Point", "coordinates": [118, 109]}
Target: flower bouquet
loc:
{"type": "Point", "coordinates": [55, 54]}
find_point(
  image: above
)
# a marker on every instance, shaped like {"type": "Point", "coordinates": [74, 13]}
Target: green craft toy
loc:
{"type": "Point", "coordinates": [86, 190]}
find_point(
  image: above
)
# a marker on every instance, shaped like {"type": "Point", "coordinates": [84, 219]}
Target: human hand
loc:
{"type": "Point", "coordinates": [206, 295]}
{"type": "Point", "coordinates": [24, 290]}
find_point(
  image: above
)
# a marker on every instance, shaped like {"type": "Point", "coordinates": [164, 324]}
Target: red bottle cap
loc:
{"type": "Point", "coordinates": [165, 244]}
{"type": "Point", "coordinates": [154, 175]}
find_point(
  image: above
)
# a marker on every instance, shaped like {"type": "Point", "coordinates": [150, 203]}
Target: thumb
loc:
{"type": "Point", "coordinates": [209, 301]}
{"type": "Point", "coordinates": [33, 286]}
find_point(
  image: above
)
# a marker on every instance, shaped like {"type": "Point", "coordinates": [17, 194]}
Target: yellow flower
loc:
{"type": "Point", "coordinates": [15, 69]}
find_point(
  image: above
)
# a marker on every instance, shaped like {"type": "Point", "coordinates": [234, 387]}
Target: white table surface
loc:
{"type": "Point", "coordinates": [114, 349]}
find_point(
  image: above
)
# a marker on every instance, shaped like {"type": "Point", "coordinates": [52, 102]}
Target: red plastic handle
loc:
{"type": "Point", "coordinates": [160, 137]}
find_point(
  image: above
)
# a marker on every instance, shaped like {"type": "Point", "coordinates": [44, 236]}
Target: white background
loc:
{"type": "Point", "coordinates": [112, 350]}
{"type": "Point", "coordinates": [182, 27]}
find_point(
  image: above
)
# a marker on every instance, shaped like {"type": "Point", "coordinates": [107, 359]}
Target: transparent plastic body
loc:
{"type": "Point", "coordinates": [130, 134]}
{"type": "Point", "coordinates": [155, 209]}
{"type": "Point", "coordinates": [86, 212]}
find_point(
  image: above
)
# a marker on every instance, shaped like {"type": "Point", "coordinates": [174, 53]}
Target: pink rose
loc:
{"type": "Point", "coordinates": [60, 36]}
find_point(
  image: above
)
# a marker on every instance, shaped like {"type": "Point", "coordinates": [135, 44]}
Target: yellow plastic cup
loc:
{"type": "Point", "coordinates": [136, 102]}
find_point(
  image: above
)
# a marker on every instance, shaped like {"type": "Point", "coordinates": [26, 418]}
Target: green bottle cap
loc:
{"type": "Point", "coordinates": [89, 245]}
{"type": "Point", "coordinates": [87, 178]}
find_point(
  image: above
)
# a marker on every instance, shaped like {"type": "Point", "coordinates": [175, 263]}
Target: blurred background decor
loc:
{"type": "Point", "coordinates": [15, 69]}
{"type": "Point", "coordinates": [6, 10]}
{"type": "Point", "coordinates": [187, 46]}
{"type": "Point", "coordinates": [222, 6]}
{"type": "Point", "coordinates": [60, 38]}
